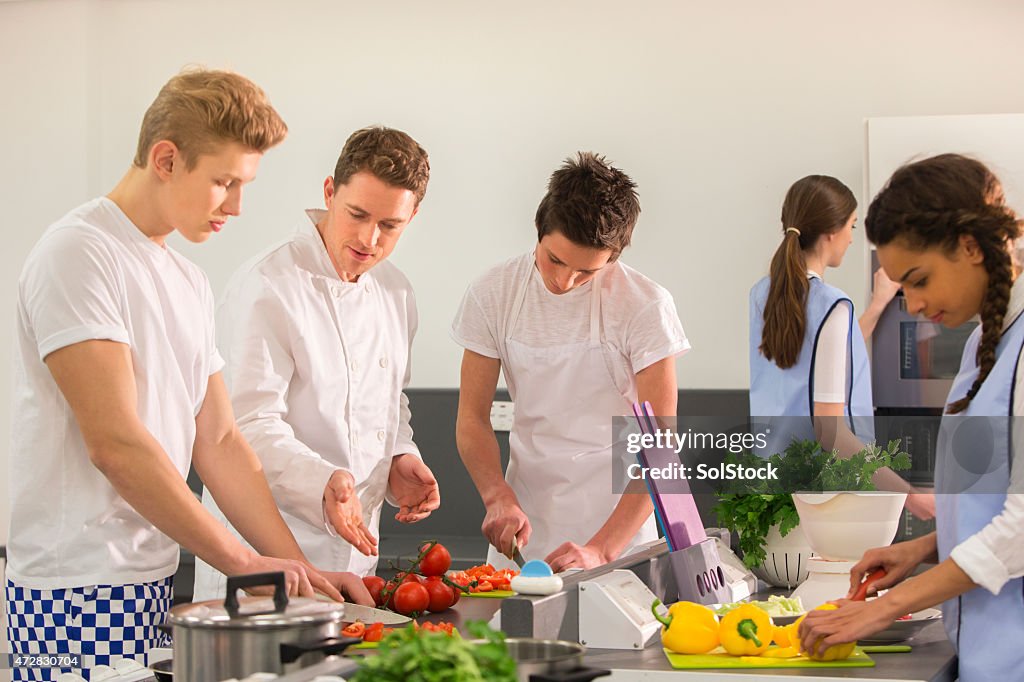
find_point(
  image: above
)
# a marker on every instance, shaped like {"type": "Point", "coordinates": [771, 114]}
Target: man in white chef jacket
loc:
{"type": "Point", "coordinates": [317, 334]}
{"type": "Point", "coordinates": [579, 336]}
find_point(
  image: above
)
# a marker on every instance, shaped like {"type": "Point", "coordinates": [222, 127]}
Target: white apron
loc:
{"type": "Point", "coordinates": [561, 441]}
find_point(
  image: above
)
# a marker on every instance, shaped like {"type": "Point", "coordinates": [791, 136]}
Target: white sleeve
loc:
{"type": "Point", "coordinates": [830, 356]}
{"type": "Point", "coordinates": [655, 333]}
{"type": "Point", "coordinates": [404, 444]}
{"type": "Point", "coordinates": [475, 327]}
{"type": "Point", "coordinates": [71, 290]}
{"type": "Point", "coordinates": [216, 361]}
{"type": "Point", "coordinates": [261, 368]}
{"type": "Point", "coordinates": [995, 554]}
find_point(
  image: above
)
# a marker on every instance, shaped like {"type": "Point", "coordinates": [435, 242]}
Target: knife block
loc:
{"type": "Point", "coordinates": [699, 574]}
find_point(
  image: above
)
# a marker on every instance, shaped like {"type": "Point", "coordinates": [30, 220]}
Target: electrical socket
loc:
{"type": "Point", "coordinates": [501, 415]}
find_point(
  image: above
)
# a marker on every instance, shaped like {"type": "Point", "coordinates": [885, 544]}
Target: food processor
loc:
{"type": "Point", "coordinates": [840, 527]}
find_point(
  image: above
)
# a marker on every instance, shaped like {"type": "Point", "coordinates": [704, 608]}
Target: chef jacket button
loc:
{"type": "Point", "coordinates": [383, 362]}
{"type": "Point", "coordinates": [336, 291]}
{"type": "Point", "coordinates": [380, 435]}
{"type": "Point", "coordinates": [355, 365]}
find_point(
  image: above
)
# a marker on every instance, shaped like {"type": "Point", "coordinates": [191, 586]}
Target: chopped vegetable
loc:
{"type": "Point", "coordinates": [775, 607]}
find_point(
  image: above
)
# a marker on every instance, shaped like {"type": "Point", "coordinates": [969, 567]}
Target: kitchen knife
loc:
{"type": "Point", "coordinates": [517, 557]}
{"type": "Point", "coordinates": [353, 612]}
{"type": "Point", "coordinates": [862, 591]}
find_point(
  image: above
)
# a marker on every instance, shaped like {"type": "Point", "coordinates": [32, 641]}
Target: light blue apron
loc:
{"type": "Point", "coordinates": [776, 392]}
{"type": "Point", "coordinates": [973, 462]}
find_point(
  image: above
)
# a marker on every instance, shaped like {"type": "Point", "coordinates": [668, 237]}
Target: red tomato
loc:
{"type": "Point", "coordinates": [411, 599]}
{"type": "Point", "coordinates": [435, 562]}
{"type": "Point", "coordinates": [442, 596]}
{"type": "Point", "coordinates": [356, 629]}
{"type": "Point", "coordinates": [403, 577]}
{"type": "Point", "coordinates": [374, 633]}
{"type": "Point", "coordinates": [374, 584]}
{"type": "Point", "coordinates": [387, 594]}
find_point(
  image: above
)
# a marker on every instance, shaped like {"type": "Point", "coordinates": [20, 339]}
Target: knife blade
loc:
{"type": "Point", "coordinates": [517, 557]}
{"type": "Point", "coordinates": [354, 612]}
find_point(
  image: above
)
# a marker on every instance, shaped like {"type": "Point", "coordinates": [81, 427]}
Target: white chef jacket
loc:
{"type": "Point", "coordinates": [316, 368]}
{"type": "Point", "coordinates": [94, 275]}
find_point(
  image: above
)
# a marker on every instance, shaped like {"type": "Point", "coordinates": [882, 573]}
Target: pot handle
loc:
{"type": "Point", "coordinates": [577, 675]}
{"type": "Point", "coordinates": [291, 651]}
{"type": "Point", "coordinates": [238, 582]}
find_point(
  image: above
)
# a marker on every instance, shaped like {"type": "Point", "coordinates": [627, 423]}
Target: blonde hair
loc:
{"type": "Point", "coordinates": [198, 109]}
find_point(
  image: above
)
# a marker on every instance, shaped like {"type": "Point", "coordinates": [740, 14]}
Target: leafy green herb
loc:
{"type": "Point", "coordinates": [804, 466]}
{"type": "Point", "coordinates": [417, 656]}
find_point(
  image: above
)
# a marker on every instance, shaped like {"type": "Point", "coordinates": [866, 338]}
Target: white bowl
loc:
{"type": "Point", "coordinates": [786, 558]}
{"type": "Point", "coordinates": [842, 526]}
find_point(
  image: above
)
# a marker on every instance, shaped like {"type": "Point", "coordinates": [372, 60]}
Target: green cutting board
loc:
{"type": "Point", "coordinates": [493, 594]}
{"type": "Point", "coordinates": [697, 661]}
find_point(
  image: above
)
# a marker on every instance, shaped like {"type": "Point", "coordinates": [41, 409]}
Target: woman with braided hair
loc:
{"type": "Point", "coordinates": [944, 231]}
{"type": "Point", "coordinates": [809, 374]}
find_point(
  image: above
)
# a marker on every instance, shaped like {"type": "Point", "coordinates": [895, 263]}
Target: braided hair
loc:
{"type": "Point", "coordinates": [815, 206]}
{"type": "Point", "coordinates": [932, 204]}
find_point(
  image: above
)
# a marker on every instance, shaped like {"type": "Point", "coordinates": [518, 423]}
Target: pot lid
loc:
{"type": "Point", "coordinates": [256, 612]}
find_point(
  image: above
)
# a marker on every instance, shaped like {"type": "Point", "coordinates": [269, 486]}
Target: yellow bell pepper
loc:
{"type": "Point", "coordinates": [746, 630]}
{"type": "Point", "coordinates": [836, 652]}
{"type": "Point", "coordinates": [781, 652]}
{"type": "Point", "coordinates": [785, 635]}
{"type": "Point", "coordinates": [689, 628]}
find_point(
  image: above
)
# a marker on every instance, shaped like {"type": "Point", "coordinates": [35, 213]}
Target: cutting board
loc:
{"type": "Point", "coordinates": [493, 594]}
{"type": "Point", "coordinates": [704, 661]}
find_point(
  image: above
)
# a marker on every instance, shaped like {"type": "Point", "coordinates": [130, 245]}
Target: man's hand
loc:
{"type": "Point", "coordinates": [350, 585]}
{"type": "Point", "coordinates": [298, 577]}
{"type": "Point", "coordinates": [413, 487]}
{"type": "Point", "coordinates": [570, 555]}
{"type": "Point", "coordinates": [345, 512]}
{"type": "Point", "coordinates": [505, 525]}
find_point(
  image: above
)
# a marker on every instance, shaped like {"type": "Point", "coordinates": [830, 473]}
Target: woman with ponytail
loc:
{"type": "Point", "coordinates": [944, 232]}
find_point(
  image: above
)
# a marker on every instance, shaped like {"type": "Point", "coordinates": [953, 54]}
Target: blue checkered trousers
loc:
{"type": "Point", "coordinates": [98, 624]}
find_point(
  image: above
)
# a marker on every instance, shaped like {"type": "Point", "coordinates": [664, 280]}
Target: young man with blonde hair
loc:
{"type": "Point", "coordinates": [119, 389]}
{"type": "Point", "coordinates": [317, 334]}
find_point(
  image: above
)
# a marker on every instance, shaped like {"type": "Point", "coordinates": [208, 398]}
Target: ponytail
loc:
{"type": "Point", "coordinates": [815, 206]}
{"type": "Point", "coordinates": [785, 310]}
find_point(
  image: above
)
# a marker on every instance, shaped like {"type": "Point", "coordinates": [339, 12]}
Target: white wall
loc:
{"type": "Point", "coordinates": [714, 108]}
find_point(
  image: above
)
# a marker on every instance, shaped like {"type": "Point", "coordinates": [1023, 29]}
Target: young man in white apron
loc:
{"type": "Point", "coordinates": [118, 390]}
{"type": "Point", "coordinates": [579, 336]}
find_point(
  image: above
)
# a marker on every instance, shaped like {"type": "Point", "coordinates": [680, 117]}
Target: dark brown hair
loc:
{"type": "Point", "coordinates": [932, 204]}
{"type": "Point", "coordinates": [815, 206]}
{"type": "Point", "coordinates": [591, 203]}
{"type": "Point", "coordinates": [201, 108]}
{"type": "Point", "coordinates": [389, 155]}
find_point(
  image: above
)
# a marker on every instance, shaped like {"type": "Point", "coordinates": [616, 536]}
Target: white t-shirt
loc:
{"type": "Point", "coordinates": [94, 275]}
{"type": "Point", "coordinates": [638, 316]}
{"type": "Point", "coordinates": [830, 357]}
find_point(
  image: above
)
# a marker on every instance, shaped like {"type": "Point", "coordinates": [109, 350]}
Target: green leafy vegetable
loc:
{"type": "Point", "coordinates": [803, 467]}
{"type": "Point", "coordinates": [417, 656]}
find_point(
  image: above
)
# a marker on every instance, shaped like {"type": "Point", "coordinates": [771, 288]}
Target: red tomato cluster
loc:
{"type": "Point", "coordinates": [422, 588]}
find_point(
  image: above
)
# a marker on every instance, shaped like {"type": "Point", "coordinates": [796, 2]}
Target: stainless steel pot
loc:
{"type": "Point", "coordinates": [549, 660]}
{"type": "Point", "coordinates": [217, 641]}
